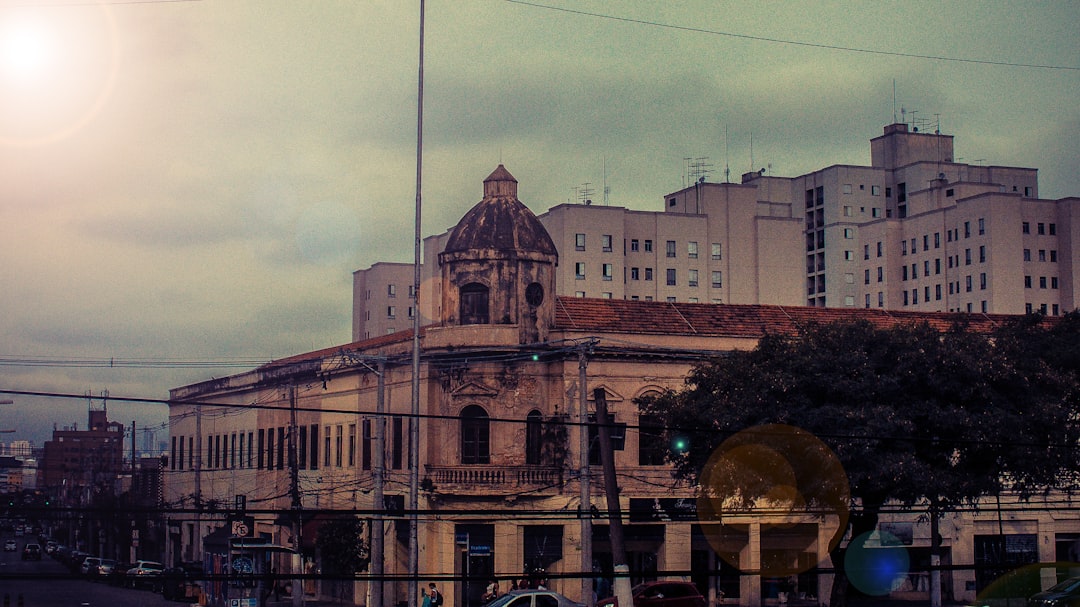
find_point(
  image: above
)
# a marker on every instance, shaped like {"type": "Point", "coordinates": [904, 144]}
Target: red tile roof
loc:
{"type": "Point", "coordinates": [724, 320]}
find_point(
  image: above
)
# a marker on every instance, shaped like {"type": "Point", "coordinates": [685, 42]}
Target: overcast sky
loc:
{"type": "Point", "coordinates": [196, 181]}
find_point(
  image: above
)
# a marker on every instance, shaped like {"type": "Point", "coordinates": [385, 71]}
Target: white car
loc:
{"type": "Point", "coordinates": [11, 546]}
{"type": "Point", "coordinates": [144, 573]}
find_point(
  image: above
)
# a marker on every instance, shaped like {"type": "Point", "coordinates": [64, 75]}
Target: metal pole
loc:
{"type": "Point", "coordinates": [378, 472]}
{"type": "Point", "coordinates": [414, 420]}
{"type": "Point", "coordinates": [585, 510]}
{"type": "Point", "coordinates": [297, 506]}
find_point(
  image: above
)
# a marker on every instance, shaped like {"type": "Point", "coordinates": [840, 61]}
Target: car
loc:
{"type": "Point", "coordinates": [11, 546]}
{"type": "Point", "coordinates": [89, 564]}
{"type": "Point", "coordinates": [661, 594]}
{"type": "Point", "coordinates": [145, 574]}
{"type": "Point", "coordinates": [533, 598]}
{"type": "Point", "coordinates": [1063, 594]}
{"type": "Point", "coordinates": [102, 570]}
{"type": "Point", "coordinates": [31, 552]}
{"type": "Point", "coordinates": [51, 546]}
{"type": "Point", "coordinates": [181, 583]}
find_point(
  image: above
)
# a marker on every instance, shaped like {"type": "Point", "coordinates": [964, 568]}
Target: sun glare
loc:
{"type": "Point", "coordinates": [27, 47]}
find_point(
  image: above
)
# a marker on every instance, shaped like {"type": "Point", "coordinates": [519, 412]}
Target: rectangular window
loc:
{"type": "Point", "coordinates": [250, 447]}
{"type": "Point", "coordinates": [903, 247]}
{"type": "Point", "coordinates": [648, 273]}
{"type": "Point", "coordinates": [1025, 227]}
{"type": "Point", "coordinates": [172, 454]}
{"type": "Point", "coordinates": [967, 257]}
{"type": "Point", "coordinates": [691, 250]}
{"type": "Point", "coordinates": [1027, 254]}
{"type": "Point", "coordinates": [967, 229]}
{"type": "Point", "coordinates": [671, 277]}
{"type": "Point", "coordinates": [634, 244]}
{"type": "Point", "coordinates": [1042, 282]}
{"type": "Point", "coordinates": [579, 270]}
{"type": "Point", "coordinates": [716, 251]}
{"type": "Point", "coordinates": [1053, 231]}
{"type": "Point", "coordinates": [269, 448]}
{"type": "Point", "coordinates": [925, 242]}
{"type": "Point", "coordinates": [926, 267]}
{"type": "Point", "coordinates": [366, 443]}
{"type": "Point", "coordinates": [670, 248]}
{"type": "Point", "coordinates": [937, 240]}
{"type": "Point", "coordinates": [579, 242]}
{"type": "Point", "coordinates": [937, 292]}
{"type": "Point", "coordinates": [232, 451]}
{"type": "Point", "coordinates": [338, 447]}
{"type": "Point", "coordinates": [398, 448]}
{"type": "Point", "coordinates": [605, 243]}
{"type": "Point", "coordinates": [1041, 227]}
{"type": "Point", "coordinates": [967, 283]}
{"type": "Point", "coordinates": [391, 291]}
{"type": "Point", "coordinates": [849, 233]}
{"type": "Point", "coordinates": [849, 255]}
{"type": "Point", "coordinates": [302, 449]}
{"type": "Point", "coordinates": [281, 448]}
{"type": "Point", "coordinates": [848, 211]}
{"type": "Point", "coordinates": [391, 312]}
{"type": "Point", "coordinates": [937, 266]}
{"type": "Point", "coordinates": [314, 437]}
{"type": "Point", "coordinates": [982, 226]}
{"type": "Point", "coordinates": [866, 251]}
{"type": "Point", "coordinates": [261, 450]}
{"type": "Point", "coordinates": [352, 445]}
{"type": "Point", "coordinates": [879, 249]}
{"type": "Point", "coordinates": [880, 274]}
{"type": "Point", "coordinates": [692, 278]}
{"type": "Point", "coordinates": [648, 246]}
{"type": "Point", "coordinates": [606, 271]}
{"type": "Point", "coordinates": [982, 253]}
{"type": "Point", "coordinates": [326, 447]}
{"type": "Point", "coordinates": [635, 274]}
{"type": "Point", "coordinates": [717, 280]}
{"type": "Point", "coordinates": [1053, 256]}
{"type": "Point", "coordinates": [1042, 254]}
{"type": "Point", "coordinates": [1053, 282]}
{"type": "Point", "coordinates": [866, 276]}
{"type": "Point", "coordinates": [982, 281]}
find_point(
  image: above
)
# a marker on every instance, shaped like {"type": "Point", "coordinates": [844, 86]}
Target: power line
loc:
{"type": "Point", "coordinates": [831, 47]}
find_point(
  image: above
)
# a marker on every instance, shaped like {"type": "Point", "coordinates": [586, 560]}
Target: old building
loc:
{"type": "Point", "coordinates": [508, 459]}
{"type": "Point", "coordinates": [914, 230]}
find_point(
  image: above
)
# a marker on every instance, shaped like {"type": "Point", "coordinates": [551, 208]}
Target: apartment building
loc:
{"type": "Point", "coordinates": [914, 230]}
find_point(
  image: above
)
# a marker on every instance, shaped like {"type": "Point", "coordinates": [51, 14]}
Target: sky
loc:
{"type": "Point", "coordinates": [187, 186]}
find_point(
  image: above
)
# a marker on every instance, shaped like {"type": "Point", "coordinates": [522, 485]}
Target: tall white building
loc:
{"type": "Point", "coordinates": [915, 230]}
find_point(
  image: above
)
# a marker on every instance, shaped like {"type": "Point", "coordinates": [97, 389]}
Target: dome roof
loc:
{"type": "Point", "coordinates": [500, 221]}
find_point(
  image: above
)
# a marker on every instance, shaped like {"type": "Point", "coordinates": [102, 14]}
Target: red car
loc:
{"type": "Point", "coordinates": [661, 594]}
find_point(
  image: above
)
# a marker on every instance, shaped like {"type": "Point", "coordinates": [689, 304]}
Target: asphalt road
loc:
{"type": "Point", "coordinates": [47, 583]}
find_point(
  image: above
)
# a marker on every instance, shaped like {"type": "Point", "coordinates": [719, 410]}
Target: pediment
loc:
{"type": "Point", "coordinates": [610, 395]}
{"type": "Point", "coordinates": [474, 389]}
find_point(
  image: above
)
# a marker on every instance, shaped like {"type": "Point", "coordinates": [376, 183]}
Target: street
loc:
{"type": "Point", "coordinates": [47, 583]}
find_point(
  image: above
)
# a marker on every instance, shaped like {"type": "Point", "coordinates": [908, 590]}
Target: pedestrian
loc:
{"type": "Point", "coordinates": [436, 596]}
{"type": "Point", "coordinates": [426, 602]}
{"type": "Point", "coordinates": [492, 591]}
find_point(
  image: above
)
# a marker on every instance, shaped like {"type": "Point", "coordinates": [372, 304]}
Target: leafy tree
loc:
{"type": "Point", "coordinates": [916, 416]}
{"type": "Point", "coordinates": [343, 550]}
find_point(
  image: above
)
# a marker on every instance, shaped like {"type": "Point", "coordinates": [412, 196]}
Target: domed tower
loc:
{"type": "Point", "coordinates": [498, 266]}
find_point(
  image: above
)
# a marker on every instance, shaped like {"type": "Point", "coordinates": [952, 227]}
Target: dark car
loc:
{"type": "Point", "coordinates": [1064, 594]}
{"type": "Point", "coordinates": [661, 594]}
{"type": "Point", "coordinates": [180, 583]}
{"type": "Point", "coordinates": [31, 552]}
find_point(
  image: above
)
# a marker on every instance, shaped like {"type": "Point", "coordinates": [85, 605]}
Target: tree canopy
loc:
{"type": "Point", "coordinates": [912, 413]}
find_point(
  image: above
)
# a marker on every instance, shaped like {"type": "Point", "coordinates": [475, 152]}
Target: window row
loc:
{"type": "Point", "coordinates": [1042, 253]}
{"type": "Point", "coordinates": [716, 249]}
{"type": "Point", "coordinates": [391, 291]}
{"type": "Point", "coordinates": [1053, 282]}
{"type": "Point", "coordinates": [268, 448]}
{"type": "Point", "coordinates": [1041, 228]}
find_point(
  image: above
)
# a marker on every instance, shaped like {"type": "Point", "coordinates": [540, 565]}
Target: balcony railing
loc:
{"type": "Point", "coordinates": [467, 479]}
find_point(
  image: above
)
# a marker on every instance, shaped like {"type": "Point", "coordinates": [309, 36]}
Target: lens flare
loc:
{"type": "Point", "coordinates": [876, 564]}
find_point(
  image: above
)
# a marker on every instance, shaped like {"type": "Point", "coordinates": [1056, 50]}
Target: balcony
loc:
{"type": "Point", "coordinates": [485, 479]}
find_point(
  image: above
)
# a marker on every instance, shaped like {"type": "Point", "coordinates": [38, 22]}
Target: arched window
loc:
{"type": "Point", "coordinates": [475, 441]}
{"type": "Point", "coordinates": [474, 304]}
{"type": "Point", "coordinates": [533, 432]}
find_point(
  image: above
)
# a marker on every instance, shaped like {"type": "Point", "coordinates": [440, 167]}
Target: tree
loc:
{"type": "Point", "coordinates": [343, 550]}
{"type": "Point", "coordinates": [916, 416]}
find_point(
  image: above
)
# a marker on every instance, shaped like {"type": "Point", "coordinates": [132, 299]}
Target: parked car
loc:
{"type": "Point", "coordinates": [102, 570]}
{"type": "Point", "coordinates": [1063, 594]}
{"type": "Point", "coordinates": [11, 546]}
{"type": "Point", "coordinates": [89, 564]}
{"type": "Point", "coordinates": [51, 546]}
{"type": "Point", "coordinates": [145, 574]}
{"type": "Point", "coordinates": [661, 594]}
{"type": "Point", "coordinates": [181, 583]}
{"type": "Point", "coordinates": [31, 552]}
{"type": "Point", "coordinates": [533, 598]}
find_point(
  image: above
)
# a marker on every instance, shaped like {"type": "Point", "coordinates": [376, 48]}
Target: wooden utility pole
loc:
{"type": "Point", "coordinates": [585, 509]}
{"type": "Point", "coordinates": [611, 492]}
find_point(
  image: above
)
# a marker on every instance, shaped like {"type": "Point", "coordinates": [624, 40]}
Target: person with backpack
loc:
{"type": "Point", "coordinates": [435, 596]}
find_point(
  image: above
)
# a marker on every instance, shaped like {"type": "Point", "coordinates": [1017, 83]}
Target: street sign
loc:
{"type": "Point", "coordinates": [242, 526]}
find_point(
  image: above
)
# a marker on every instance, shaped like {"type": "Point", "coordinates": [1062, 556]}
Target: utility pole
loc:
{"type": "Point", "coordinates": [378, 469]}
{"type": "Point", "coordinates": [297, 507]}
{"type": "Point", "coordinates": [585, 509]}
{"type": "Point", "coordinates": [414, 420]}
{"type": "Point", "coordinates": [611, 491]}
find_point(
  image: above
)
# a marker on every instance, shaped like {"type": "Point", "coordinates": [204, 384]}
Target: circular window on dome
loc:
{"type": "Point", "coordinates": [534, 294]}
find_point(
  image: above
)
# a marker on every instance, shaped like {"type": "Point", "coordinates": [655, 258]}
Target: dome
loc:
{"type": "Point", "coordinates": [500, 222]}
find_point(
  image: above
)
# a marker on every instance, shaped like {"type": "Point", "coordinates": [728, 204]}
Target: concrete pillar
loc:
{"type": "Point", "coordinates": [750, 560]}
{"type": "Point", "coordinates": [676, 553]}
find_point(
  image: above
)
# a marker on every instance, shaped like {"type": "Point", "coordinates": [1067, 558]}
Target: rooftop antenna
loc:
{"type": "Point", "coordinates": [584, 193]}
{"type": "Point", "coordinates": [607, 190]}
{"type": "Point", "coordinates": [727, 157]}
{"type": "Point", "coordinates": [751, 151]}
